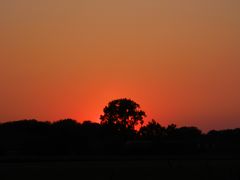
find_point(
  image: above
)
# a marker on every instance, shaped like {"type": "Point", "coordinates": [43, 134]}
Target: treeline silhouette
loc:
{"type": "Point", "coordinates": [70, 138]}
{"type": "Point", "coordinates": [116, 134]}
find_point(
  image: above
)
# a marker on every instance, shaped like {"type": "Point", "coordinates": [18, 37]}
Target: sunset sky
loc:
{"type": "Point", "coordinates": [180, 60]}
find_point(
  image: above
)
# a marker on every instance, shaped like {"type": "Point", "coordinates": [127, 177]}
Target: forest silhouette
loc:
{"type": "Point", "coordinates": [116, 134]}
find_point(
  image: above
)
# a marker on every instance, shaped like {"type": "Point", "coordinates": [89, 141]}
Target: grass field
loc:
{"type": "Point", "coordinates": [145, 169]}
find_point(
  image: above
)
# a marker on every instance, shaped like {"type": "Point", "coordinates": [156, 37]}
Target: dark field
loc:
{"type": "Point", "coordinates": [119, 169]}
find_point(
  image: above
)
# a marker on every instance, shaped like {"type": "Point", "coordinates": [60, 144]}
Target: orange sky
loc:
{"type": "Point", "coordinates": [179, 60]}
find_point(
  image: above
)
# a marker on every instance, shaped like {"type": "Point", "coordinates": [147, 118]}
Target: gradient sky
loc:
{"type": "Point", "coordinates": [179, 60]}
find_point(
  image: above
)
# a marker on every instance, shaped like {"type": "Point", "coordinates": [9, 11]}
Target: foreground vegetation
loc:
{"type": "Point", "coordinates": [68, 137]}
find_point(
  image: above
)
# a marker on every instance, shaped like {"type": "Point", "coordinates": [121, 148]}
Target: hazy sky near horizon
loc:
{"type": "Point", "coordinates": [179, 60]}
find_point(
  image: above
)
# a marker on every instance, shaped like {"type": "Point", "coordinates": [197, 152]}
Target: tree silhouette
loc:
{"type": "Point", "coordinates": [152, 129]}
{"type": "Point", "coordinates": [122, 114]}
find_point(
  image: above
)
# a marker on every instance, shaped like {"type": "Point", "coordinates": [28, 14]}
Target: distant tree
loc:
{"type": "Point", "coordinates": [189, 132]}
{"type": "Point", "coordinates": [90, 124]}
{"type": "Point", "coordinates": [66, 123]}
{"type": "Point", "coordinates": [183, 132]}
{"type": "Point", "coordinates": [152, 129]}
{"type": "Point", "coordinates": [91, 129]}
{"type": "Point", "coordinates": [122, 114]}
{"type": "Point", "coordinates": [171, 130]}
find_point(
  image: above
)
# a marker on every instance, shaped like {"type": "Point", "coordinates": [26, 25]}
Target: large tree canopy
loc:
{"type": "Point", "coordinates": [122, 114]}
